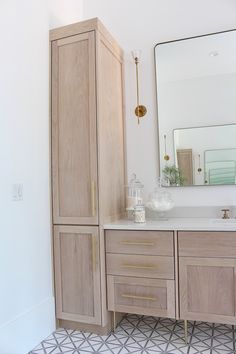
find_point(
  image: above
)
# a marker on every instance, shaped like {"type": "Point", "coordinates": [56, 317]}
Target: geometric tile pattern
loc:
{"type": "Point", "coordinates": [144, 334]}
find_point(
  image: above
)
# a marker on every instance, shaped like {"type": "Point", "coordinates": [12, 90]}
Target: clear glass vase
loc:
{"type": "Point", "coordinates": [160, 200]}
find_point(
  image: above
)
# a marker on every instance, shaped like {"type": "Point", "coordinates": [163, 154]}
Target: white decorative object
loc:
{"type": "Point", "coordinates": [160, 200]}
{"type": "Point", "coordinates": [134, 193]}
{"type": "Point", "coordinates": [139, 213]}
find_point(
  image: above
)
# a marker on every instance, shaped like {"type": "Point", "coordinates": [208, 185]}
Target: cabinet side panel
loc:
{"type": "Point", "coordinates": [110, 131]}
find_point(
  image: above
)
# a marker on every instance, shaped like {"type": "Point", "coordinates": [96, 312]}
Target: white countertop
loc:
{"type": "Point", "coordinates": [203, 224]}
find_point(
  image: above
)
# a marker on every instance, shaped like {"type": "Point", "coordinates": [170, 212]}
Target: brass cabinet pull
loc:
{"type": "Point", "coordinates": [132, 243]}
{"type": "Point", "coordinates": [139, 297]}
{"type": "Point", "coordinates": [93, 192]}
{"type": "Point", "coordinates": [94, 255]}
{"type": "Point", "coordinates": [138, 267]}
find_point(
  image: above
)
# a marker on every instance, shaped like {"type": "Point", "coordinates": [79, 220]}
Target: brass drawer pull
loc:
{"type": "Point", "coordinates": [139, 297]}
{"type": "Point", "coordinates": [132, 243]}
{"type": "Point", "coordinates": [138, 267]}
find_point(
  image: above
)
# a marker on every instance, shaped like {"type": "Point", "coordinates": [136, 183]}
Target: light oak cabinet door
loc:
{"type": "Point", "coordinates": [207, 289]}
{"type": "Point", "coordinates": [77, 274]}
{"type": "Point", "coordinates": [74, 138]}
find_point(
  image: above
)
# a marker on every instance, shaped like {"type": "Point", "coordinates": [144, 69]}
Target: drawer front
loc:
{"type": "Point", "coordinates": [141, 296]}
{"type": "Point", "coordinates": [140, 242]}
{"type": "Point", "coordinates": [207, 244]}
{"type": "Point", "coordinates": [141, 266]}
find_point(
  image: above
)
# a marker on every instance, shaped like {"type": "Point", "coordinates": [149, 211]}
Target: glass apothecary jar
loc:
{"type": "Point", "coordinates": [139, 213]}
{"type": "Point", "coordinates": [134, 193]}
{"type": "Point", "coordinates": [160, 200]}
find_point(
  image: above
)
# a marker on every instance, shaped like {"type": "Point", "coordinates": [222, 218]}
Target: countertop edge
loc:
{"type": "Point", "coordinates": [183, 224]}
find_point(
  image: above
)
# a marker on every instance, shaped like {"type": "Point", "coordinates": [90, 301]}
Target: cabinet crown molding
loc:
{"type": "Point", "coordinates": [93, 24]}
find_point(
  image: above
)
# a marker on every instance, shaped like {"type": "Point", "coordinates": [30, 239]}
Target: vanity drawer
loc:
{"type": "Point", "coordinates": [141, 266]}
{"type": "Point", "coordinates": [140, 242]}
{"type": "Point", "coordinates": [141, 296]}
{"type": "Point", "coordinates": [207, 244]}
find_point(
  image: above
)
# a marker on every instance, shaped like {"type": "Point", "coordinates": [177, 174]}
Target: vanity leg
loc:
{"type": "Point", "coordinates": [186, 331]}
{"type": "Point", "coordinates": [114, 321]}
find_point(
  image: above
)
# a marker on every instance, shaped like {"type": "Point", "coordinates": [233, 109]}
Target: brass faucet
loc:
{"type": "Point", "coordinates": [226, 214]}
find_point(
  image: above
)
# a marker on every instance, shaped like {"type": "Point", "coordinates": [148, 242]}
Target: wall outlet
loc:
{"type": "Point", "coordinates": [17, 192]}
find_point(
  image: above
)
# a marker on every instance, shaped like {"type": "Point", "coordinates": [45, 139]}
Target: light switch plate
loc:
{"type": "Point", "coordinates": [17, 192]}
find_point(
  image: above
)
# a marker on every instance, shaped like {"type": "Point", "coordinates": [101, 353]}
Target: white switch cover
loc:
{"type": "Point", "coordinates": [17, 192]}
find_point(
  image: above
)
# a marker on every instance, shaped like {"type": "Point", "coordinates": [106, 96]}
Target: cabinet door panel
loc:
{"type": "Point", "coordinates": [207, 289]}
{"type": "Point", "coordinates": [74, 152]}
{"type": "Point", "coordinates": [77, 273]}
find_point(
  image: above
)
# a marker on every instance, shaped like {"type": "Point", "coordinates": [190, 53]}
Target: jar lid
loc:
{"type": "Point", "coordinates": [134, 182]}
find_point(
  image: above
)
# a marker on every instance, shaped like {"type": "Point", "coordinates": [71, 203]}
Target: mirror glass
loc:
{"type": "Point", "coordinates": [196, 101]}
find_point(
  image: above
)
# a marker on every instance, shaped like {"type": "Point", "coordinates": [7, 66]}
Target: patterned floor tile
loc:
{"type": "Point", "coordinates": [144, 335]}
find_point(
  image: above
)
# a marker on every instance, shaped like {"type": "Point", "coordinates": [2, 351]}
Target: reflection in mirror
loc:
{"type": "Point", "coordinates": [196, 98]}
{"type": "Point", "coordinates": [220, 166]}
{"type": "Point", "coordinates": [206, 155]}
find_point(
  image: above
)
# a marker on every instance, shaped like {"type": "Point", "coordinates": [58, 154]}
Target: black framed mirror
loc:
{"type": "Point", "coordinates": [196, 103]}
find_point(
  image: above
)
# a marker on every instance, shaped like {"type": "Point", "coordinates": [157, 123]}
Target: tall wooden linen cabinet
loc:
{"type": "Point", "coordinates": [88, 168]}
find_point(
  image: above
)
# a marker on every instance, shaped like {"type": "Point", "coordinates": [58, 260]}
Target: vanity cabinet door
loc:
{"type": "Point", "coordinates": [77, 274]}
{"type": "Point", "coordinates": [207, 289]}
{"type": "Point", "coordinates": [74, 135]}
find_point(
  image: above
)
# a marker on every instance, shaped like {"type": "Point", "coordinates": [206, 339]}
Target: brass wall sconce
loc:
{"type": "Point", "coordinates": [199, 170]}
{"type": "Point", "coordinates": [140, 110]}
{"type": "Point", "coordinates": [166, 156]}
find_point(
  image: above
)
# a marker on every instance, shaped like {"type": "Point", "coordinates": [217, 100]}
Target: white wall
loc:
{"type": "Point", "coordinates": [64, 12]}
{"type": "Point", "coordinates": [26, 296]}
{"type": "Point", "coordinates": [26, 300]}
{"type": "Point", "coordinates": [140, 25]}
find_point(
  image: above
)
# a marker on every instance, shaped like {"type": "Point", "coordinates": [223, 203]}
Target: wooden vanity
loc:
{"type": "Point", "coordinates": [140, 272]}
{"type": "Point", "coordinates": [188, 275]}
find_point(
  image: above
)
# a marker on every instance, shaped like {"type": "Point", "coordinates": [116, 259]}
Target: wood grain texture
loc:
{"type": "Point", "coordinates": [176, 263]}
{"type": "Point", "coordinates": [93, 24]}
{"type": "Point", "coordinates": [207, 244]}
{"type": "Point", "coordinates": [141, 296]}
{"type": "Point", "coordinates": [207, 289]}
{"type": "Point", "coordinates": [185, 165]}
{"type": "Point", "coordinates": [111, 166]}
{"type": "Point", "coordinates": [87, 160]}
{"type": "Point", "coordinates": [139, 265]}
{"type": "Point", "coordinates": [106, 316]}
{"type": "Point", "coordinates": [73, 29]}
{"type": "Point", "coordinates": [77, 273]}
{"type": "Point", "coordinates": [84, 327]}
{"type": "Point", "coordinates": [74, 147]}
{"type": "Point", "coordinates": [140, 242]}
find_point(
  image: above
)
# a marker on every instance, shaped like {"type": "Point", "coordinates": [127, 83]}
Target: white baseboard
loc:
{"type": "Point", "coordinates": [22, 333]}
